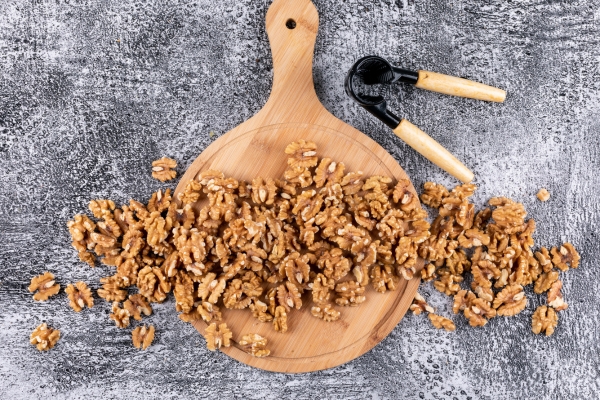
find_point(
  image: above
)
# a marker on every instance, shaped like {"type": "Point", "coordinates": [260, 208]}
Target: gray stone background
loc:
{"type": "Point", "coordinates": [91, 91]}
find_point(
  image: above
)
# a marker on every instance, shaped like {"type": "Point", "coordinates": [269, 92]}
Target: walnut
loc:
{"type": "Point", "coordinates": [112, 289]}
{"type": "Point", "coordinates": [510, 301]}
{"type": "Point", "coordinates": [254, 344]}
{"type": "Point", "coordinates": [280, 319]}
{"type": "Point", "coordinates": [157, 233]}
{"type": "Point", "coordinates": [509, 216]}
{"type": "Point", "coordinates": [217, 337]}
{"type": "Point", "coordinates": [288, 296]}
{"type": "Point", "coordinates": [545, 281]}
{"type": "Point", "coordinates": [391, 226]}
{"type": "Point", "coordinates": [308, 205]}
{"type": "Point", "coordinates": [543, 195]}
{"type": "Point", "coordinates": [352, 238]}
{"type": "Point", "coordinates": [183, 292]}
{"type": "Point", "coordinates": [297, 269]}
{"type": "Point", "coordinates": [159, 201]}
{"type": "Point", "coordinates": [543, 257]}
{"type": "Point", "coordinates": [153, 284]}
{"type": "Point", "coordinates": [428, 273]}
{"type": "Point", "coordinates": [484, 293]}
{"type": "Point", "coordinates": [555, 297]}
{"type": "Point", "coordinates": [448, 284]}
{"type": "Point", "coordinates": [191, 193]}
{"type": "Point", "coordinates": [142, 336]}
{"type": "Point", "coordinates": [209, 312]}
{"type": "Point", "coordinates": [477, 312]}
{"type": "Point", "coordinates": [565, 257]}
{"type": "Point", "coordinates": [545, 320]}
{"type": "Point", "coordinates": [350, 293]}
{"type": "Point", "coordinates": [102, 208]}
{"type": "Point", "coordinates": [484, 271]}
{"type": "Point", "coordinates": [352, 183]}
{"type": "Point", "coordinates": [473, 238]}
{"type": "Point", "coordinates": [137, 305]}
{"type": "Point", "coordinates": [320, 289]}
{"type": "Point", "coordinates": [334, 264]}
{"type": "Point", "coordinates": [210, 177]}
{"type": "Point", "coordinates": [419, 305]}
{"type": "Point", "coordinates": [462, 300]}
{"type": "Point", "coordinates": [259, 311]}
{"type": "Point", "coordinates": [80, 296]}
{"type": "Point", "coordinates": [326, 312]}
{"type": "Point", "coordinates": [440, 322]}
{"type": "Point", "coordinates": [298, 176]}
{"type": "Point", "coordinates": [44, 337]}
{"type": "Point", "coordinates": [482, 218]}
{"type": "Point", "coordinates": [458, 263]}
{"type": "Point", "coordinates": [210, 289]}
{"type": "Point", "coordinates": [263, 191]}
{"type": "Point", "coordinates": [328, 171]}
{"type": "Point", "coordinates": [302, 154]}
{"type": "Point", "coordinates": [119, 315]}
{"type": "Point", "coordinates": [45, 285]}
{"type": "Point", "coordinates": [127, 272]}
{"type": "Point", "coordinates": [383, 278]}
{"type": "Point", "coordinates": [234, 296]}
{"type": "Point", "coordinates": [162, 169]}
{"type": "Point", "coordinates": [433, 194]}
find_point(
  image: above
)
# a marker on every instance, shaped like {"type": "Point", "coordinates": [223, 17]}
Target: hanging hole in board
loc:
{"type": "Point", "coordinates": [290, 23]}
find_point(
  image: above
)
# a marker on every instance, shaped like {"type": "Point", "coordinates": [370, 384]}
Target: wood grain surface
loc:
{"type": "Point", "coordinates": [256, 148]}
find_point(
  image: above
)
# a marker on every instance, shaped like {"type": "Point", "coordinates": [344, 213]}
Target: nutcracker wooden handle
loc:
{"type": "Point", "coordinates": [458, 87]}
{"type": "Point", "coordinates": [433, 151]}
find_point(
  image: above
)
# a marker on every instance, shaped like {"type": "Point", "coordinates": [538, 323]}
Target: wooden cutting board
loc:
{"type": "Point", "coordinates": [256, 148]}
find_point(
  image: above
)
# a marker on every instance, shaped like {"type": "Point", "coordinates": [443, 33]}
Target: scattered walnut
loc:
{"type": "Point", "coordinates": [211, 288]}
{"type": "Point", "coordinates": [254, 344]}
{"type": "Point", "coordinates": [419, 305]}
{"type": "Point", "coordinates": [326, 312]}
{"type": "Point", "coordinates": [510, 301]}
{"type": "Point", "coordinates": [259, 311]}
{"type": "Point", "coordinates": [383, 278]}
{"type": "Point", "coordinates": [545, 282]}
{"type": "Point", "coordinates": [555, 297]}
{"type": "Point", "coordinates": [462, 300]}
{"type": "Point", "coordinates": [428, 273]}
{"type": "Point", "coordinates": [137, 305]}
{"type": "Point", "coordinates": [80, 296]}
{"type": "Point", "coordinates": [302, 154]}
{"type": "Point", "coordinates": [288, 296]}
{"type": "Point", "coordinates": [433, 194]}
{"type": "Point", "coordinates": [352, 183]}
{"type": "Point", "coordinates": [280, 319]}
{"type": "Point", "coordinates": [45, 285]}
{"type": "Point", "coordinates": [162, 169]}
{"type": "Point", "coordinates": [448, 284]}
{"type": "Point", "coordinates": [142, 336]}
{"type": "Point", "coordinates": [328, 171]}
{"type": "Point", "coordinates": [543, 195]}
{"type": "Point", "coordinates": [112, 289]}
{"type": "Point", "coordinates": [543, 257]}
{"type": "Point", "coordinates": [477, 312]}
{"type": "Point", "coordinates": [440, 322]}
{"type": "Point", "coordinates": [565, 257]}
{"type": "Point", "coordinates": [263, 191]}
{"type": "Point", "coordinates": [44, 337]}
{"type": "Point", "coordinates": [119, 315]}
{"type": "Point", "coordinates": [217, 337]}
{"type": "Point", "coordinates": [545, 320]}
{"type": "Point", "coordinates": [350, 293]}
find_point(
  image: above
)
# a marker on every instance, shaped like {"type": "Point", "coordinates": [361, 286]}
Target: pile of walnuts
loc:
{"type": "Point", "coordinates": [320, 232]}
{"type": "Point", "coordinates": [492, 248]}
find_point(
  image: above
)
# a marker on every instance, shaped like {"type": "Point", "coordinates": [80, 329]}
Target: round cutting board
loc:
{"type": "Point", "coordinates": [256, 148]}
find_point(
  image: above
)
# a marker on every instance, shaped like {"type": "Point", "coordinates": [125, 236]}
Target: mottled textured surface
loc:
{"type": "Point", "coordinates": [91, 91]}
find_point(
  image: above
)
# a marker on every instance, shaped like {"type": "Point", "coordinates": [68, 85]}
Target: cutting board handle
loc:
{"type": "Point", "coordinates": [292, 27]}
